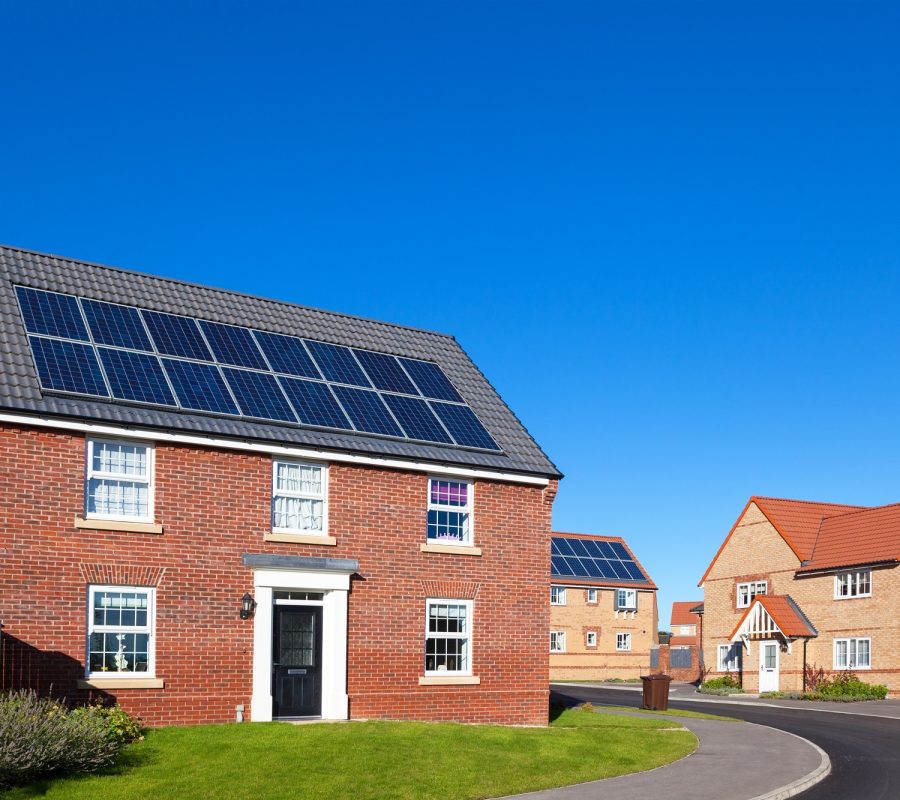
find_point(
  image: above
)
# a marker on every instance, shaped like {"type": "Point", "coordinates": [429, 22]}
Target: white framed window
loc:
{"type": "Point", "coordinates": [686, 630]}
{"type": "Point", "coordinates": [729, 657]}
{"type": "Point", "coordinates": [853, 653]}
{"type": "Point", "coordinates": [853, 584]}
{"type": "Point", "coordinates": [747, 591]}
{"type": "Point", "coordinates": [626, 599]}
{"type": "Point", "coordinates": [118, 480]}
{"type": "Point", "coordinates": [590, 639]}
{"type": "Point", "coordinates": [557, 641]}
{"type": "Point", "coordinates": [623, 641]}
{"type": "Point", "coordinates": [120, 631]}
{"type": "Point", "coordinates": [299, 495]}
{"type": "Point", "coordinates": [450, 505]}
{"type": "Point", "coordinates": [448, 637]}
{"type": "Point", "coordinates": [592, 595]}
{"type": "Point", "coordinates": [557, 595]}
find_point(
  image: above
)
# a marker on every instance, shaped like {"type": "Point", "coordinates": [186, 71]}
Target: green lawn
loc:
{"type": "Point", "coordinates": [672, 712]}
{"type": "Point", "coordinates": [376, 760]}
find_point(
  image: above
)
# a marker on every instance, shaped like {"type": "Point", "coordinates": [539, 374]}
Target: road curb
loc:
{"type": "Point", "coordinates": [801, 784]}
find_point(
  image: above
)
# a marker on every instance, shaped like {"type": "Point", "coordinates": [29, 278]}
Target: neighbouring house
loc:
{"type": "Point", "coordinates": [217, 506]}
{"type": "Point", "coordinates": [603, 615]}
{"type": "Point", "coordinates": [798, 583]}
{"type": "Point", "coordinates": [685, 624]}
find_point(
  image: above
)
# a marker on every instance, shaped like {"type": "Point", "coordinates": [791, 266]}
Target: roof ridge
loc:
{"type": "Point", "coordinates": [232, 292]}
{"type": "Point", "coordinates": [592, 535]}
{"type": "Point", "coordinates": [757, 497]}
{"type": "Point", "coordinates": [862, 510]}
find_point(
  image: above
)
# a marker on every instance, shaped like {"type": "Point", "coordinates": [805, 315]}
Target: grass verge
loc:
{"type": "Point", "coordinates": [375, 760]}
{"type": "Point", "coordinates": [672, 712]}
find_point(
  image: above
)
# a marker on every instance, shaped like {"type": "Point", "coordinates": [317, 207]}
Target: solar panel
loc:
{"type": "Point", "coordinates": [366, 411]}
{"type": "Point", "coordinates": [286, 354]}
{"type": "Point", "coordinates": [67, 367]}
{"type": "Point", "coordinates": [136, 376]}
{"type": "Point", "coordinates": [97, 348]}
{"type": "Point", "coordinates": [464, 426]}
{"type": "Point", "coordinates": [199, 387]}
{"type": "Point", "coordinates": [259, 395]}
{"type": "Point", "coordinates": [584, 558]}
{"type": "Point", "coordinates": [338, 364]}
{"type": "Point", "coordinates": [233, 345]}
{"type": "Point", "coordinates": [51, 314]}
{"type": "Point", "coordinates": [314, 403]}
{"type": "Point", "coordinates": [416, 418]}
{"type": "Point", "coordinates": [385, 372]}
{"type": "Point", "coordinates": [176, 336]}
{"type": "Point", "coordinates": [119, 326]}
{"type": "Point", "coordinates": [431, 380]}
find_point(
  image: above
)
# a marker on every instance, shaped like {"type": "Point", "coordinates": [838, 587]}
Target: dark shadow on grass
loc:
{"type": "Point", "coordinates": [561, 702]}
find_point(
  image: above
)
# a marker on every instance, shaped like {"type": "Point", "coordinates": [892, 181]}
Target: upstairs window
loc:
{"type": "Point", "coordinates": [119, 481]}
{"type": "Point", "coordinates": [449, 512]}
{"type": "Point", "coordinates": [592, 595]}
{"type": "Point", "coordinates": [298, 497]}
{"type": "Point", "coordinates": [120, 631]}
{"type": "Point", "coordinates": [853, 584]}
{"type": "Point", "coordinates": [557, 595]}
{"type": "Point", "coordinates": [626, 599]}
{"type": "Point", "coordinates": [747, 591]}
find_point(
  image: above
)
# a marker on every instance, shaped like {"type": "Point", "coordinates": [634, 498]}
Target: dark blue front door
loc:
{"type": "Point", "coordinates": [297, 662]}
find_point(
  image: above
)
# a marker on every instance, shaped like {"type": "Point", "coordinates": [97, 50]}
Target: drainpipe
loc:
{"type": "Point", "coordinates": [805, 642]}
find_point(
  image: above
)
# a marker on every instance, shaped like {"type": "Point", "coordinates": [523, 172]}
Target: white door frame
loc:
{"type": "Point", "coordinates": [335, 586]}
{"type": "Point", "coordinates": [769, 679]}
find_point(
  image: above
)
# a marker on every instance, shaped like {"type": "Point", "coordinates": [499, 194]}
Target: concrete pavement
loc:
{"type": "Point", "coordinates": [733, 761]}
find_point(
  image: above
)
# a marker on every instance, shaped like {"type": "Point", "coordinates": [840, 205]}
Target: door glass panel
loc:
{"type": "Point", "coordinates": [296, 638]}
{"type": "Point", "coordinates": [770, 656]}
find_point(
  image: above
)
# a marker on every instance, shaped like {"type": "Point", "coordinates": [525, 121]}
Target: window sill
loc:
{"type": "Point", "coordinates": [121, 683]}
{"type": "Point", "coordinates": [117, 525]}
{"type": "Point", "coordinates": [449, 680]}
{"type": "Point", "coordinates": [458, 549]}
{"type": "Point", "coordinates": [299, 538]}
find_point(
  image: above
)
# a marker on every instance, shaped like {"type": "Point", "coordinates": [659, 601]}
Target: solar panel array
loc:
{"type": "Point", "coordinates": [594, 560]}
{"type": "Point", "coordinates": [97, 349]}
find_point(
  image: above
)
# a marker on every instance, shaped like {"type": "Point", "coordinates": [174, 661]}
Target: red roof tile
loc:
{"type": "Point", "coordinates": [680, 641]}
{"type": "Point", "coordinates": [862, 537]}
{"type": "Point", "coordinates": [681, 612]}
{"type": "Point", "coordinates": [798, 521]}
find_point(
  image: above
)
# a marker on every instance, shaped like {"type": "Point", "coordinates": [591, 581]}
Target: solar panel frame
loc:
{"type": "Point", "coordinates": [559, 566]}
{"type": "Point", "coordinates": [619, 569]}
{"type": "Point", "coordinates": [464, 426]}
{"type": "Point", "coordinates": [51, 314]}
{"type": "Point", "coordinates": [175, 335]}
{"type": "Point", "coordinates": [232, 345]}
{"type": "Point", "coordinates": [385, 372]}
{"type": "Point", "coordinates": [430, 379]}
{"type": "Point", "coordinates": [116, 325]}
{"type": "Point", "coordinates": [367, 411]}
{"type": "Point", "coordinates": [314, 403]}
{"type": "Point", "coordinates": [606, 550]}
{"type": "Point", "coordinates": [564, 546]}
{"type": "Point", "coordinates": [186, 375]}
{"type": "Point", "coordinates": [416, 418]}
{"type": "Point", "coordinates": [578, 547]}
{"type": "Point", "coordinates": [337, 363]}
{"type": "Point", "coordinates": [135, 376]}
{"type": "Point", "coordinates": [621, 553]}
{"type": "Point", "coordinates": [258, 395]}
{"type": "Point", "coordinates": [60, 365]}
{"type": "Point", "coordinates": [634, 571]}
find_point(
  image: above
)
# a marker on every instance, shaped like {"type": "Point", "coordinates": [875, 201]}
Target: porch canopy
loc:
{"type": "Point", "coordinates": [773, 617]}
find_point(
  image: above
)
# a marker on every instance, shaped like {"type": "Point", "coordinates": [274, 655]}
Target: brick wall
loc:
{"type": "Point", "coordinates": [756, 551]}
{"type": "Point", "coordinates": [603, 662]}
{"type": "Point", "coordinates": [214, 506]}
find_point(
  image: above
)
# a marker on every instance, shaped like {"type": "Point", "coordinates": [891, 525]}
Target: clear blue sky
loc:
{"type": "Point", "coordinates": [669, 233]}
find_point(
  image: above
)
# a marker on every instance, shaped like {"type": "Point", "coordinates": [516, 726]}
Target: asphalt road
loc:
{"type": "Point", "coordinates": [864, 750]}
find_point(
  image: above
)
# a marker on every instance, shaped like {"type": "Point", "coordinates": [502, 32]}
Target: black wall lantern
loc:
{"type": "Point", "coordinates": [248, 606]}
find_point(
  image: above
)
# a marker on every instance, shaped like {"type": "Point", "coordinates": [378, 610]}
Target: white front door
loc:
{"type": "Point", "coordinates": [768, 666]}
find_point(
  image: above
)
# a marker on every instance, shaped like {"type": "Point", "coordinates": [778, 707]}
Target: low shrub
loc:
{"type": "Point", "coordinates": [843, 687]}
{"type": "Point", "coordinates": [41, 737]}
{"type": "Point", "coordinates": [727, 684]}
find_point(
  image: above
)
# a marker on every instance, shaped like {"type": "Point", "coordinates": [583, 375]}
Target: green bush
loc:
{"type": "Point", "coordinates": [41, 737]}
{"type": "Point", "coordinates": [727, 684]}
{"type": "Point", "coordinates": [843, 687]}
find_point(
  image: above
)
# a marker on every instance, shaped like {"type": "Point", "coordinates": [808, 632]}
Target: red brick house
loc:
{"type": "Point", "coordinates": [685, 624]}
{"type": "Point", "coordinates": [215, 505]}
{"type": "Point", "coordinates": [798, 582]}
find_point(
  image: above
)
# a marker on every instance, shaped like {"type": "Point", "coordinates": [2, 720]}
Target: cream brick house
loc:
{"type": "Point", "coordinates": [603, 614]}
{"type": "Point", "coordinates": [799, 582]}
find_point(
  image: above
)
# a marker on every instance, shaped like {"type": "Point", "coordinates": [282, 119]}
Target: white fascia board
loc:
{"type": "Point", "coordinates": [96, 429]}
